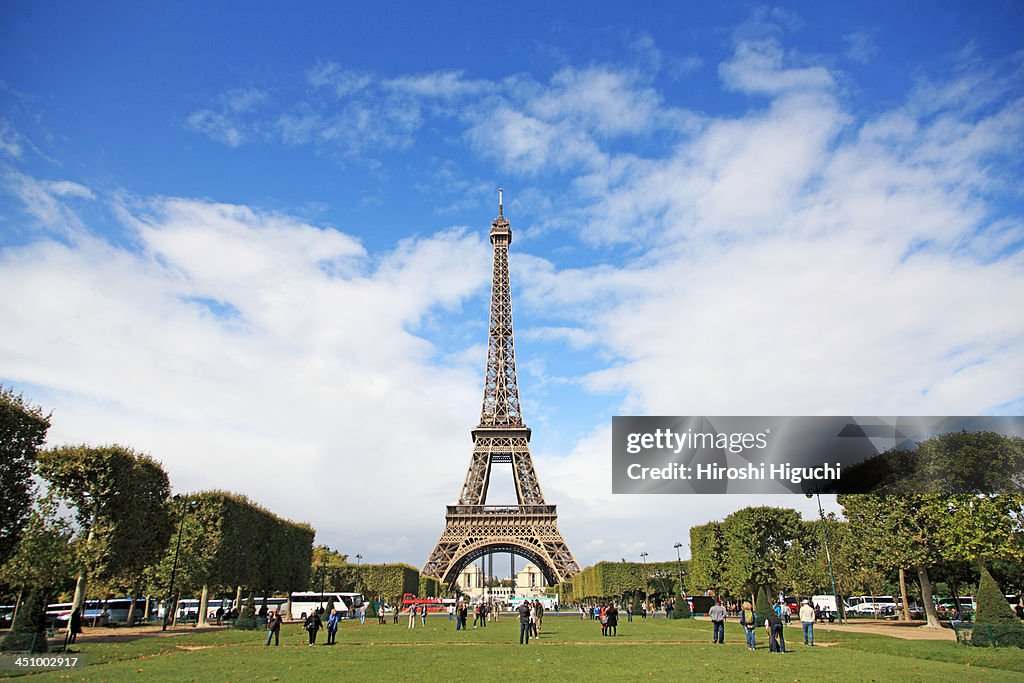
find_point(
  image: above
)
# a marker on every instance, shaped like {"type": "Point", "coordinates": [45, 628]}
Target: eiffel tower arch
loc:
{"type": "Point", "coordinates": [529, 527]}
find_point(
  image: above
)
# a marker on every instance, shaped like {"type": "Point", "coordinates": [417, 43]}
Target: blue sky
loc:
{"type": "Point", "coordinates": [248, 239]}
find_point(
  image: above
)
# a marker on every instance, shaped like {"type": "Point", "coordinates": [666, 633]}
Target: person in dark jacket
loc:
{"type": "Point", "coordinates": [75, 626]}
{"type": "Point", "coordinates": [312, 625]}
{"type": "Point", "coordinates": [773, 625]}
{"type": "Point", "coordinates": [274, 628]}
{"type": "Point", "coordinates": [524, 623]}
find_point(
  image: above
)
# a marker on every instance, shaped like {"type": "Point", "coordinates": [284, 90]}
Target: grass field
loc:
{"type": "Point", "coordinates": [569, 649]}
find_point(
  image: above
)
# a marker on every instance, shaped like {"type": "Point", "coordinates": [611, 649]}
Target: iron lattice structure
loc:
{"type": "Point", "coordinates": [530, 527]}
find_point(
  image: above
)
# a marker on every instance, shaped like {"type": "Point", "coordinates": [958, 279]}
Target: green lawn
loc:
{"type": "Point", "coordinates": [568, 649]}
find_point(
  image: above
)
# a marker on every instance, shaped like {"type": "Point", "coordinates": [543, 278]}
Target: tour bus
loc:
{"type": "Point", "coordinates": [873, 604]}
{"type": "Point", "coordinates": [549, 603]}
{"type": "Point", "coordinates": [306, 603]}
{"type": "Point", "coordinates": [102, 612]}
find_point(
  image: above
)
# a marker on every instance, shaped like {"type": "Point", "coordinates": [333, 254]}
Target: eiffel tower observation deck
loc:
{"type": "Point", "coordinates": [529, 527]}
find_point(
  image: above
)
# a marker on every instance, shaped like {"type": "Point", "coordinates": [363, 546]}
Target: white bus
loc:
{"type": "Point", "coordinates": [306, 603]}
{"type": "Point", "coordinates": [102, 612]}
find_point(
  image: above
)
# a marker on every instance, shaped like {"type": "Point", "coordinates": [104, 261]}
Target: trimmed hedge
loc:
{"type": "Point", "coordinates": [995, 624]}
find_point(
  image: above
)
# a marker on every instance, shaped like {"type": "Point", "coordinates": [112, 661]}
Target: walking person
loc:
{"type": "Point", "coordinates": [748, 620]}
{"type": "Point", "coordinates": [412, 617]}
{"type": "Point", "coordinates": [332, 626]}
{"type": "Point", "coordinates": [524, 623]}
{"type": "Point", "coordinates": [274, 628]}
{"type": "Point", "coordinates": [312, 625]}
{"type": "Point", "coordinates": [773, 626]}
{"type": "Point", "coordinates": [423, 615]}
{"type": "Point", "coordinates": [807, 621]}
{"type": "Point", "coordinates": [362, 614]}
{"type": "Point", "coordinates": [540, 616]}
{"type": "Point", "coordinates": [717, 615]}
{"type": "Point", "coordinates": [604, 620]}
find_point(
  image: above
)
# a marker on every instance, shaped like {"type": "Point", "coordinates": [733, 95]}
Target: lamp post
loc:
{"type": "Point", "coordinates": [679, 559]}
{"type": "Point", "coordinates": [359, 559]}
{"type": "Point", "coordinates": [323, 580]}
{"type": "Point", "coordinates": [643, 556]}
{"type": "Point", "coordinates": [182, 511]}
{"type": "Point", "coordinates": [828, 555]}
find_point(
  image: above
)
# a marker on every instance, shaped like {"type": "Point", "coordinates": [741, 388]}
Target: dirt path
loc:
{"type": "Point", "coordinates": [912, 630]}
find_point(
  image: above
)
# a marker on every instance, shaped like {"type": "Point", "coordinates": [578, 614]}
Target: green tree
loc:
{"type": "Point", "coordinates": [756, 540]}
{"type": "Point", "coordinates": [28, 632]}
{"type": "Point", "coordinates": [970, 462]}
{"type": "Point", "coordinates": [119, 498]}
{"type": "Point", "coordinates": [980, 527]}
{"type": "Point", "coordinates": [22, 431]}
{"type": "Point", "coordinates": [994, 622]}
{"type": "Point", "coordinates": [707, 553]}
{"type": "Point", "coordinates": [901, 531]}
{"type": "Point", "coordinates": [41, 560]}
{"type": "Point", "coordinates": [762, 605]}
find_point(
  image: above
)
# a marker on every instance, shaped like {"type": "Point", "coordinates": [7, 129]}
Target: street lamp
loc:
{"type": "Point", "coordinates": [679, 558]}
{"type": "Point", "coordinates": [323, 580]}
{"type": "Point", "coordinates": [359, 559]}
{"type": "Point", "coordinates": [182, 511]}
{"type": "Point", "coordinates": [828, 555]}
{"type": "Point", "coordinates": [644, 556]}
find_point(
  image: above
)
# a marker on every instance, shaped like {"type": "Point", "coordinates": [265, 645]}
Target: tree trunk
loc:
{"type": "Point", "coordinates": [80, 584]}
{"type": "Point", "coordinates": [145, 617]}
{"type": "Point", "coordinates": [174, 603]}
{"type": "Point", "coordinates": [903, 594]}
{"type": "Point", "coordinates": [204, 601]}
{"type": "Point", "coordinates": [17, 605]}
{"type": "Point", "coordinates": [288, 607]}
{"type": "Point", "coordinates": [926, 597]}
{"type": "Point", "coordinates": [136, 589]}
{"type": "Point", "coordinates": [238, 600]}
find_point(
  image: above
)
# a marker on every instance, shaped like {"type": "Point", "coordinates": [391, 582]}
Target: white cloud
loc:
{"type": "Point", "coordinates": [442, 84]}
{"type": "Point", "coordinates": [342, 81]}
{"type": "Point", "coordinates": [253, 352]}
{"type": "Point", "coordinates": [217, 126]}
{"type": "Point", "coordinates": [860, 46]}
{"type": "Point", "coordinates": [757, 66]}
{"type": "Point", "coordinates": [10, 140]}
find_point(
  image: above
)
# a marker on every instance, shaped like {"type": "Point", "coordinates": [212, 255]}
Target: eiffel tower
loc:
{"type": "Point", "coordinates": [529, 528]}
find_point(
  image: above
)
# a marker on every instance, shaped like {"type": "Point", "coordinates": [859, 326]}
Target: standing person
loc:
{"type": "Point", "coordinates": [75, 625]}
{"type": "Point", "coordinates": [540, 616]}
{"type": "Point", "coordinates": [533, 619]}
{"type": "Point", "coordinates": [604, 620]}
{"type": "Point", "coordinates": [748, 620]}
{"type": "Point", "coordinates": [524, 623]}
{"type": "Point", "coordinates": [629, 612]}
{"type": "Point", "coordinates": [613, 619]}
{"type": "Point", "coordinates": [783, 609]}
{"type": "Point", "coordinates": [312, 625]}
{"type": "Point", "coordinates": [332, 626]}
{"type": "Point", "coordinates": [807, 621]}
{"type": "Point", "coordinates": [583, 612]}
{"type": "Point", "coordinates": [382, 613]}
{"type": "Point", "coordinates": [423, 615]}
{"type": "Point", "coordinates": [412, 616]}
{"type": "Point", "coordinates": [717, 615]}
{"type": "Point", "coordinates": [220, 614]}
{"type": "Point", "coordinates": [451, 613]}
{"type": "Point", "coordinates": [362, 614]}
{"type": "Point", "coordinates": [463, 613]}
{"type": "Point", "coordinates": [394, 618]}
{"type": "Point", "coordinates": [773, 625]}
{"type": "Point", "coordinates": [274, 628]}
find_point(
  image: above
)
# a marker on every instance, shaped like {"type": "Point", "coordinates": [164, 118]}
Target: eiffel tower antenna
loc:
{"type": "Point", "coordinates": [529, 527]}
